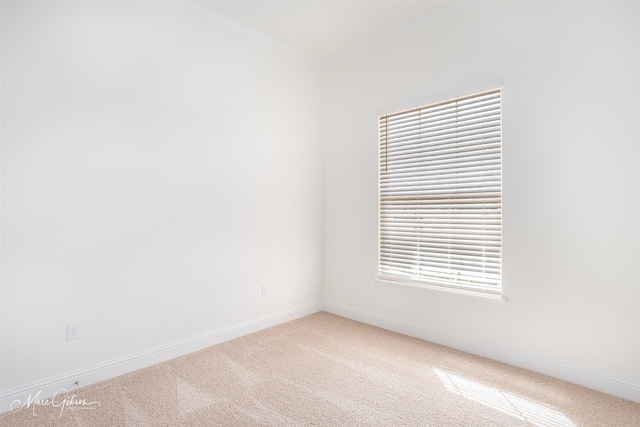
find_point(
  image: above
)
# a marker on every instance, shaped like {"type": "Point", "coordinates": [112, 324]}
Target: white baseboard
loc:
{"type": "Point", "coordinates": [594, 380]}
{"type": "Point", "coordinates": [113, 368]}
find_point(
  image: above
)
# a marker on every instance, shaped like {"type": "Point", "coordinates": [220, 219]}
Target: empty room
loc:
{"type": "Point", "coordinates": [330, 213]}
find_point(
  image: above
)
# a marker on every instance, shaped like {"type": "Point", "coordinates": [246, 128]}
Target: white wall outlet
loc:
{"type": "Point", "coordinates": [73, 331]}
{"type": "Point", "coordinates": [265, 290]}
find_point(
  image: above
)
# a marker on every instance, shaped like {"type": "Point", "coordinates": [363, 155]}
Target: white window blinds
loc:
{"type": "Point", "coordinates": [440, 206]}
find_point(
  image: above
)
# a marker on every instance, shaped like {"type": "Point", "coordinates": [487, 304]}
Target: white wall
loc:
{"type": "Point", "coordinates": [156, 170]}
{"type": "Point", "coordinates": [570, 74]}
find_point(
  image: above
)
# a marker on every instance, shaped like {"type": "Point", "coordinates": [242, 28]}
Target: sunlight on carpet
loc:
{"type": "Point", "coordinates": [325, 370]}
{"type": "Point", "coordinates": [518, 407]}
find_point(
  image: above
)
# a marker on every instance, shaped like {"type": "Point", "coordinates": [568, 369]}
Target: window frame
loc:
{"type": "Point", "coordinates": [419, 280]}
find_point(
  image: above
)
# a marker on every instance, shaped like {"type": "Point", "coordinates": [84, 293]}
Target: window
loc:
{"type": "Point", "coordinates": [440, 194]}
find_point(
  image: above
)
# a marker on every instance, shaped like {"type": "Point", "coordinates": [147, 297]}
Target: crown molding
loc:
{"type": "Point", "coordinates": [455, 8]}
{"type": "Point", "coordinates": [242, 30]}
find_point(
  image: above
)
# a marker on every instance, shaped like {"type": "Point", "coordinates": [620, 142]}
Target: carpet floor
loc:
{"type": "Point", "coordinates": [325, 370]}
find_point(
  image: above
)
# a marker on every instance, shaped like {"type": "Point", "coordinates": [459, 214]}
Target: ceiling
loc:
{"type": "Point", "coordinates": [323, 28]}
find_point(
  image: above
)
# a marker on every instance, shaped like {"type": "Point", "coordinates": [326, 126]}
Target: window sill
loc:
{"type": "Point", "coordinates": [415, 289]}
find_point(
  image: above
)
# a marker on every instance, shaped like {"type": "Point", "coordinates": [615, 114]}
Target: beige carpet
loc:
{"type": "Point", "coordinates": [324, 370]}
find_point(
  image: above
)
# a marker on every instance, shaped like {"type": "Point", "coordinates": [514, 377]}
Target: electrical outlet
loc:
{"type": "Point", "coordinates": [73, 331]}
{"type": "Point", "coordinates": [265, 290]}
